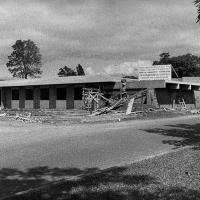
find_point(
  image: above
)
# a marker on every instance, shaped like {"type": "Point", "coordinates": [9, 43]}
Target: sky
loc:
{"type": "Point", "coordinates": [104, 36]}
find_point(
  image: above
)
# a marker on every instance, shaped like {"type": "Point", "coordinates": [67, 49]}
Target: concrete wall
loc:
{"type": "Point", "coordinates": [15, 104]}
{"type": "Point", "coordinates": [197, 98]}
{"type": "Point", "coordinates": [61, 104]}
{"type": "Point", "coordinates": [70, 97]}
{"type": "Point", "coordinates": [29, 104]}
{"type": "Point", "coordinates": [52, 97]}
{"type": "Point", "coordinates": [44, 104]}
{"type": "Point", "coordinates": [21, 97]}
{"type": "Point", "coordinates": [6, 97]}
{"type": "Point", "coordinates": [78, 104]}
{"type": "Point", "coordinates": [36, 97]}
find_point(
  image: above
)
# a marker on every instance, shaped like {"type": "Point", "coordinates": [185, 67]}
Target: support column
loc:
{"type": "Point", "coordinates": [6, 97]}
{"type": "Point", "coordinates": [36, 97]}
{"type": "Point", "coordinates": [70, 96]}
{"type": "Point", "coordinates": [52, 96]}
{"type": "Point", "coordinates": [1, 104]}
{"type": "Point", "coordinates": [21, 97]}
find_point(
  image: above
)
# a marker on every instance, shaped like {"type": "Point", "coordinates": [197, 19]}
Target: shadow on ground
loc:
{"type": "Point", "coordinates": [109, 184]}
{"type": "Point", "coordinates": [186, 135]}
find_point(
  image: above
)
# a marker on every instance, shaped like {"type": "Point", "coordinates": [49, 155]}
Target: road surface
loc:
{"type": "Point", "coordinates": [83, 146]}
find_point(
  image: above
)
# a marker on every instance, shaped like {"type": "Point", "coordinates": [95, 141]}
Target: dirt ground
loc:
{"type": "Point", "coordinates": [26, 145]}
{"type": "Point", "coordinates": [52, 151]}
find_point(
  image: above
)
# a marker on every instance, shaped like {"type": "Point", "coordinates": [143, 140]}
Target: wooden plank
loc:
{"type": "Point", "coordinates": [130, 106]}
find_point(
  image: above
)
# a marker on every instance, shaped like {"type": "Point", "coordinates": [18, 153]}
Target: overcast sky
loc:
{"type": "Point", "coordinates": [100, 34]}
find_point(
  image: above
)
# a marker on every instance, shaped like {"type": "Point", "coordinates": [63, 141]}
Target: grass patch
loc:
{"type": "Point", "coordinates": [171, 176]}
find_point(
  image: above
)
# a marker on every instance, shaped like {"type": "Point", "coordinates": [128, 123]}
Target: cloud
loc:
{"type": "Point", "coordinates": [4, 73]}
{"type": "Point", "coordinates": [105, 31]}
{"type": "Point", "coordinates": [127, 68]}
{"type": "Point", "coordinates": [90, 71]}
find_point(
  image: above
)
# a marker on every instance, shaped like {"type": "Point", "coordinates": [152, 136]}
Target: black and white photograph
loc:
{"type": "Point", "coordinates": [99, 100]}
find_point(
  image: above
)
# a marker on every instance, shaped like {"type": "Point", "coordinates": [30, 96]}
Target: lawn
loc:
{"type": "Point", "coordinates": [171, 176]}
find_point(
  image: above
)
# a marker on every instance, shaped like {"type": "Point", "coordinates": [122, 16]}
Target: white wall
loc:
{"type": "Point", "coordinates": [15, 104]}
{"type": "Point", "coordinates": [44, 104]}
{"type": "Point", "coordinates": [29, 104]}
{"type": "Point", "coordinates": [78, 104]}
{"type": "Point", "coordinates": [61, 104]}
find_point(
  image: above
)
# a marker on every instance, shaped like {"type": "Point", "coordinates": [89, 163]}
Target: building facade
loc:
{"type": "Point", "coordinates": [66, 92]}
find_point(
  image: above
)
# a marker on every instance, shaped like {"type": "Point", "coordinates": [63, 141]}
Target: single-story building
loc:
{"type": "Point", "coordinates": [66, 92]}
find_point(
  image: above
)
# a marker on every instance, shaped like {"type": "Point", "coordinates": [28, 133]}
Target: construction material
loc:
{"type": "Point", "coordinates": [182, 104]}
{"type": "Point", "coordinates": [130, 106]}
{"type": "Point", "coordinates": [2, 114]}
{"type": "Point", "coordinates": [107, 109]}
{"type": "Point", "coordinates": [137, 95]}
{"type": "Point", "coordinates": [195, 111]}
{"type": "Point", "coordinates": [23, 117]}
{"type": "Point", "coordinates": [121, 102]}
{"type": "Point", "coordinates": [91, 99]}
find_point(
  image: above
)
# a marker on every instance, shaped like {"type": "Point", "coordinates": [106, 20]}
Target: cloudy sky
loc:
{"type": "Point", "coordinates": [108, 36]}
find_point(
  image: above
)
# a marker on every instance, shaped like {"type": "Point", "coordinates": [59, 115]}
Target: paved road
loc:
{"type": "Point", "coordinates": [98, 145]}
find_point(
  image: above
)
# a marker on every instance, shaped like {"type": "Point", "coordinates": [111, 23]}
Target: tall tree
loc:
{"type": "Point", "coordinates": [66, 71]}
{"type": "Point", "coordinates": [197, 3]}
{"type": "Point", "coordinates": [25, 60]}
{"type": "Point", "coordinates": [185, 65]}
{"type": "Point", "coordinates": [80, 70]}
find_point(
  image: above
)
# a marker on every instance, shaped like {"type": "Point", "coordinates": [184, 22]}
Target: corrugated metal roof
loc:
{"type": "Point", "coordinates": [59, 80]}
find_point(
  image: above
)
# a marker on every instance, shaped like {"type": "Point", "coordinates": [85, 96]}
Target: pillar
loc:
{"type": "Point", "coordinates": [21, 97]}
{"type": "Point", "coordinates": [6, 97]}
{"type": "Point", "coordinates": [36, 97]}
{"type": "Point", "coordinates": [70, 96]}
{"type": "Point", "coordinates": [52, 96]}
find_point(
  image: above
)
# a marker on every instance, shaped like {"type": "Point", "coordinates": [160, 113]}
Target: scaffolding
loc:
{"type": "Point", "coordinates": [91, 99]}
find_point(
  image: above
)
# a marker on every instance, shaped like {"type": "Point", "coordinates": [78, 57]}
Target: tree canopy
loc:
{"type": "Point", "coordinates": [197, 3]}
{"type": "Point", "coordinates": [80, 70]}
{"type": "Point", "coordinates": [66, 71]}
{"type": "Point", "coordinates": [184, 65]}
{"type": "Point", "coordinates": [25, 60]}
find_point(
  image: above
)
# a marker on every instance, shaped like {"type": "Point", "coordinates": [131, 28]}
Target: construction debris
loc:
{"type": "Point", "coordinates": [131, 100]}
{"type": "Point", "coordinates": [116, 103]}
{"type": "Point", "coordinates": [2, 114]}
{"type": "Point", "coordinates": [23, 117]}
{"type": "Point", "coordinates": [108, 109]}
{"type": "Point", "coordinates": [91, 99]}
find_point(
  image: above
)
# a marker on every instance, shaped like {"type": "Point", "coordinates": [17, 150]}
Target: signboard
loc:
{"type": "Point", "coordinates": [155, 72]}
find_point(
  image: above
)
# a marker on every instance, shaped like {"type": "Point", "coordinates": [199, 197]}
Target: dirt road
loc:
{"type": "Point", "coordinates": [90, 145]}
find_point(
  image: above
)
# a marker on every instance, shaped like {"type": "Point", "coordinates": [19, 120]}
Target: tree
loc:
{"type": "Point", "coordinates": [66, 71]}
{"type": "Point", "coordinates": [164, 59]}
{"type": "Point", "coordinates": [197, 3]}
{"type": "Point", "coordinates": [80, 71]}
{"type": "Point", "coordinates": [25, 60]}
{"type": "Point", "coordinates": [184, 65]}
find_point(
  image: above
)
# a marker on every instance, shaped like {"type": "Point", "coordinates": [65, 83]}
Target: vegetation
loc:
{"type": "Point", "coordinates": [25, 60]}
{"type": "Point", "coordinates": [80, 71]}
{"type": "Point", "coordinates": [67, 71]}
{"type": "Point", "coordinates": [184, 65]}
{"type": "Point", "coordinates": [172, 176]}
{"type": "Point", "coordinates": [197, 3]}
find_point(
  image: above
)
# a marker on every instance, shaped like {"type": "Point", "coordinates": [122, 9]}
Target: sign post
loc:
{"type": "Point", "coordinates": [155, 72]}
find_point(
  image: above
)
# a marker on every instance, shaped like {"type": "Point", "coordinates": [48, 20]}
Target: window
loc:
{"type": "Point", "coordinates": [29, 94]}
{"type": "Point", "coordinates": [15, 94]}
{"type": "Point", "coordinates": [44, 94]}
{"type": "Point", "coordinates": [61, 93]}
{"type": "Point", "coordinates": [78, 93]}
